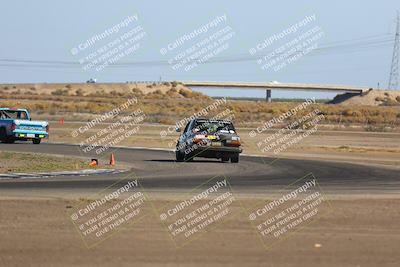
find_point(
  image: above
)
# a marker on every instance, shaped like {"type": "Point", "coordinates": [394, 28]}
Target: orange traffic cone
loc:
{"type": "Point", "coordinates": [94, 163]}
{"type": "Point", "coordinates": [112, 159]}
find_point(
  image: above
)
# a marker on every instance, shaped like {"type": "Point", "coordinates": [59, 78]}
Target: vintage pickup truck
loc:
{"type": "Point", "coordinates": [16, 124]}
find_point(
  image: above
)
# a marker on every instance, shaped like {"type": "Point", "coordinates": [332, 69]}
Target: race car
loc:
{"type": "Point", "coordinates": [208, 138]}
{"type": "Point", "coordinates": [16, 124]}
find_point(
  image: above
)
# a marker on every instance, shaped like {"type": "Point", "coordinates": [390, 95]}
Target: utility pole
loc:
{"type": "Point", "coordinates": [394, 71]}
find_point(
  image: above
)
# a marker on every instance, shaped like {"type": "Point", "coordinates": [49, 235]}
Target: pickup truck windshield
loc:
{"type": "Point", "coordinates": [13, 114]}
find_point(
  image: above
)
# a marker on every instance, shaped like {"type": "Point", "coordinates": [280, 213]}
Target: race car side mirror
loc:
{"type": "Point", "coordinates": [178, 130]}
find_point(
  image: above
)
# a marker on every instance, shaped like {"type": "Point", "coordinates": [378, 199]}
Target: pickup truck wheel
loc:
{"type": "Point", "coordinates": [3, 134]}
{"type": "Point", "coordinates": [36, 141]}
{"type": "Point", "coordinates": [4, 138]}
{"type": "Point", "coordinates": [9, 140]}
{"type": "Point", "coordinates": [235, 158]}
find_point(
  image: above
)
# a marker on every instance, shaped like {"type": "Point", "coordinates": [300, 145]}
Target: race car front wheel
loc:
{"type": "Point", "coordinates": [235, 158]}
{"type": "Point", "coordinates": [179, 156]}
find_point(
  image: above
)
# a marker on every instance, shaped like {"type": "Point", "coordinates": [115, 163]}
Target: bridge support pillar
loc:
{"type": "Point", "coordinates": [268, 95]}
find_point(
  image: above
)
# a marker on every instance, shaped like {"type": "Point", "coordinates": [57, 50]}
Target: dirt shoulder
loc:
{"type": "Point", "coordinates": [39, 232]}
{"type": "Point", "coordinates": [17, 162]}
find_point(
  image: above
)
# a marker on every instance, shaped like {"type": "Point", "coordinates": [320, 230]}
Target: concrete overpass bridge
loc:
{"type": "Point", "coordinates": [269, 86]}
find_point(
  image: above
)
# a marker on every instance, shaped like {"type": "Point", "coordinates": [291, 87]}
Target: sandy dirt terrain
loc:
{"type": "Point", "coordinates": [369, 98]}
{"type": "Point", "coordinates": [357, 232]}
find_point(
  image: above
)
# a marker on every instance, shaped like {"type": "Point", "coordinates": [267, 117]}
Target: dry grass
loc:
{"type": "Point", "coordinates": [169, 102]}
{"type": "Point", "coordinates": [17, 162]}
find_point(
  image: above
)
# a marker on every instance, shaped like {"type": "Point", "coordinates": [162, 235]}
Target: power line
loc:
{"type": "Point", "coordinates": [344, 46]}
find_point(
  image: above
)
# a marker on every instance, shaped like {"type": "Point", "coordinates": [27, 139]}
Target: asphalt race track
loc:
{"type": "Point", "coordinates": [157, 171]}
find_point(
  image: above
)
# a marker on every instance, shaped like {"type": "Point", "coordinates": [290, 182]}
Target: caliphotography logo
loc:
{"type": "Point", "coordinates": [212, 133]}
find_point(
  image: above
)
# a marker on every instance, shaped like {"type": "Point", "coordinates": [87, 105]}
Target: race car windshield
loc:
{"type": "Point", "coordinates": [213, 127]}
{"type": "Point", "coordinates": [13, 114]}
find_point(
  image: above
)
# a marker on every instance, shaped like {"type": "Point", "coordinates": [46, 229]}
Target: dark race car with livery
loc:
{"type": "Point", "coordinates": [208, 138]}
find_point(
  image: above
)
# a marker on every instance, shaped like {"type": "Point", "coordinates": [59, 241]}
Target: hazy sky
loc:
{"type": "Point", "coordinates": [359, 35]}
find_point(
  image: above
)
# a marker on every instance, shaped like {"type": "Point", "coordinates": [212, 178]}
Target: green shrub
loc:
{"type": "Point", "coordinates": [186, 93]}
{"type": "Point", "coordinates": [136, 91]}
{"type": "Point", "coordinates": [79, 92]}
{"type": "Point", "coordinates": [60, 92]}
